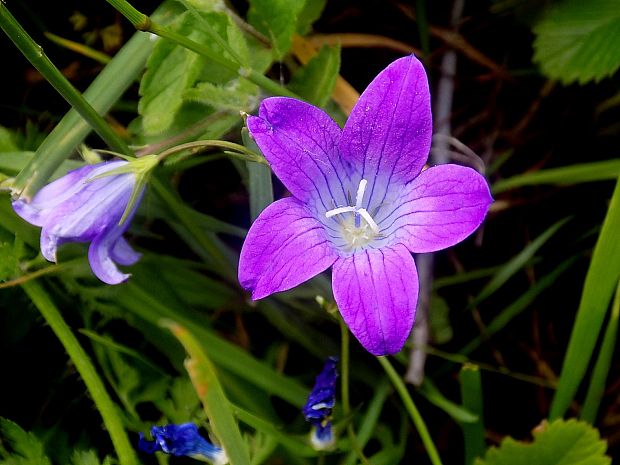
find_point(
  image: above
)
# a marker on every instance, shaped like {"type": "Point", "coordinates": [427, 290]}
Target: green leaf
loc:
{"type": "Point", "coordinates": [600, 283]}
{"type": "Point", "coordinates": [558, 443]}
{"type": "Point", "coordinates": [315, 81]}
{"type": "Point", "coordinates": [471, 394]}
{"type": "Point", "coordinates": [217, 407]}
{"type": "Point", "coordinates": [10, 255]}
{"type": "Point", "coordinates": [7, 140]}
{"type": "Point", "coordinates": [236, 95]}
{"type": "Point", "coordinates": [171, 70]}
{"type": "Point", "coordinates": [277, 19]}
{"type": "Point", "coordinates": [26, 447]}
{"type": "Point", "coordinates": [579, 41]}
{"type": "Point", "coordinates": [88, 457]}
{"type": "Point", "coordinates": [308, 15]}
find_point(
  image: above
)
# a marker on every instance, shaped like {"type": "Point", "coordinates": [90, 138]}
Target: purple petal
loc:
{"type": "Point", "coordinates": [50, 196]}
{"type": "Point", "coordinates": [440, 208]}
{"type": "Point", "coordinates": [100, 257]}
{"type": "Point", "coordinates": [49, 245]}
{"type": "Point", "coordinates": [285, 246]}
{"type": "Point", "coordinates": [93, 209]}
{"type": "Point", "coordinates": [300, 142]}
{"type": "Point", "coordinates": [388, 134]}
{"type": "Point", "coordinates": [123, 254]}
{"type": "Point", "coordinates": [377, 293]}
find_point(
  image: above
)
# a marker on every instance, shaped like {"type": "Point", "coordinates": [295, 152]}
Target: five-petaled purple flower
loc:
{"type": "Point", "coordinates": [360, 203]}
{"type": "Point", "coordinates": [321, 401]}
{"type": "Point", "coordinates": [86, 205]}
{"type": "Point", "coordinates": [182, 440]}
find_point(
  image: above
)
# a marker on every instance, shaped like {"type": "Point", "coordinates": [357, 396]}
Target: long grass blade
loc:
{"type": "Point", "coordinates": [601, 280]}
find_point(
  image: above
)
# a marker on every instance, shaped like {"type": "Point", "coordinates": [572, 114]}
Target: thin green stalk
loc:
{"type": "Point", "coordinates": [198, 146]}
{"type": "Point", "coordinates": [144, 23]}
{"type": "Point", "coordinates": [344, 389]}
{"type": "Point", "coordinates": [86, 369]}
{"type": "Point", "coordinates": [417, 419]}
{"type": "Point", "coordinates": [35, 55]}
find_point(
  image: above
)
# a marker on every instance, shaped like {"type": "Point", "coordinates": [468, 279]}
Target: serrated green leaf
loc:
{"type": "Point", "coordinates": [309, 14]}
{"type": "Point", "coordinates": [277, 19]}
{"type": "Point", "coordinates": [26, 447]}
{"type": "Point", "coordinates": [236, 95]}
{"type": "Point", "coordinates": [172, 70]}
{"type": "Point", "coordinates": [315, 81]}
{"type": "Point", "coordinates": [87, 457]}
{"type": "Point", "coordinates": [559, 443]}
{"type": "Point", "coordinates": [579, 41]}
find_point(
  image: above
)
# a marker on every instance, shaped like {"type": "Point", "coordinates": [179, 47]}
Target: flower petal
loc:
{"type": "Point", "coordinates": [389, 131]}
{"type": "Point", "coordinates": [284, 247]}
{"type": "Point", "coordinates": [300, 141]}
{"type": "Point", "coordinates": [377, 293]}
{"type": "Point", "coordinates": [123, 254]}
{"type": "Point", "coordinates": [100, 257]}
{"type": "Point", "coordinates": [53, 194]}
{"type": "Point", "coordinates": [440, 208]}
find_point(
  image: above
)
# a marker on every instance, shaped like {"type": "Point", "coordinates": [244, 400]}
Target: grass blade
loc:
{"type": "Point", "coordinates": [603, 364]}
{"type": "Point", "coordinates": [601, 279]}
{"type": "Point", "coordinates": [217, 407]}
{"type": "Point", "coordinates": [471, 394]}
{"type": "Point", "coordinates": [516, 263]}
{"type": "Point", "coordinates": [573, 174]}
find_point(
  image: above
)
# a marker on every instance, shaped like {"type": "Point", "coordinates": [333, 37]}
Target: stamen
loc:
{"type": "Point", "coordinates": [357, 209]}
{"type": "Point", "coordinates": [338, 211]}
{"type": "Point", "coordinates": [364, 214]}
{"type": "Point", "coordinates": [360, 194]}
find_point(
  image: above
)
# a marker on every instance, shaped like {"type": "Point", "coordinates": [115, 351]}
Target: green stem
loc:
{"type": "Point", "coordinates": [86, 369]}
{"type": "Point", "coordinates": [35, 55]}
{"type": "Point", "coordinates": [344, 388]}
{"type": "Point", "coordinates": [417, 419]}
{"type": "Point", "coordinates": [240, 151]}
{"type": "Point", "coordinates": [144, 23]}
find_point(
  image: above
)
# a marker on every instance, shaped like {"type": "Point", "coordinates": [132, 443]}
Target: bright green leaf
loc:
{"type": "Point", "coordinates": [579, 41]}
{"type": "Point", "coordinates": [558, 443]}
{"type": "Point", "coordinates": [309, 14]}
{"type": "Point", "coordinates": [26, 447]}
{"type": "Point", "coordinates": [277, 19]}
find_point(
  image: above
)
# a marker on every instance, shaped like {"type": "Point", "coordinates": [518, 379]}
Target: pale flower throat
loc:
{"type": "Point", "coordinates": [354, 232]}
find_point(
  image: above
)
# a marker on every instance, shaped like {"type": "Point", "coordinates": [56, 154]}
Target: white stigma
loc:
{"type": "Point", "coordinates": [357, 209]}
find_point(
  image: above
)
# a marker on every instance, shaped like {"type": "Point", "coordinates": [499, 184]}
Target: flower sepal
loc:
{"type": "Point", "coordinates": [141, 168]}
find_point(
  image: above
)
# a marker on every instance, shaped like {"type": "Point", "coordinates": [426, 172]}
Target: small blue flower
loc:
{"type": "Point", "coordinates": [321, 401]}
{"type": "Point", "coordinates": [180, 440]}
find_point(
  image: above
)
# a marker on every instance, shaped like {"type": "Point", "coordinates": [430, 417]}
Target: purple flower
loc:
{"type": "Point", "coordinates": [321, 401]}
{"type": "Point", "coordinates": [182, 440]}
{"type": "Point", "coordinates": [86, 205]}
{"type": "Point", "coordinates": [360, 203]}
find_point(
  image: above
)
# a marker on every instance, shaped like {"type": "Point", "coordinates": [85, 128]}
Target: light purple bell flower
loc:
{"type": "Point", "coordinates": [86, 205]}
{"type": "Point", "coordinates": [360, 203]}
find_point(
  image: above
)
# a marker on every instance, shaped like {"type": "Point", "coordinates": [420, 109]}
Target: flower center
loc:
{"type": "Point", "coordinates": [355, 232]}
